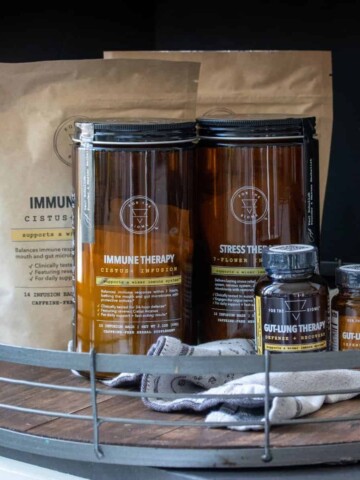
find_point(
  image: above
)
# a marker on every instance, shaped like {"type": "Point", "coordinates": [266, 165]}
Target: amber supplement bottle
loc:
{"type": "Point", "coordinates": [345, 318]}
{"type": "Point", "coordinates": [291, 302]}
{"type": "Point", "coordinates": [133, 187]}
{"type": "Point", "coordinates": [257, 185]}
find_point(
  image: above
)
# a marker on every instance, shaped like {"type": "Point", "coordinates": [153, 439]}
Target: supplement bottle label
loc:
{"type": "Point", "coordinates": [233, 294]}
{"type": "Point", "coordinates": [345, 332]}
{"type": "Point", "coordinates": [291, 324]}
{"type": "Point", "coordinates": [138, 305]}
{"type": "Point", "coordinates": [334, 331]}
{"type": "Point", "coordinates": [133, 295]}
{"type": "Point", "coordinates": [133, 287]}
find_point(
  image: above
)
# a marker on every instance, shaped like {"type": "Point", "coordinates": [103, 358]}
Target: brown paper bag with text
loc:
{"type": "Point", "coordinates": [39, 102]}
{"type": "Point", "coordinates": [263, 82]}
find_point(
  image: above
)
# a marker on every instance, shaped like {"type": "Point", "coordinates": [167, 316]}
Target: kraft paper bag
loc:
{"type": "Point", "coordinates": [39, 102]}
{"type": "Point", "coordinates": [263, 82]}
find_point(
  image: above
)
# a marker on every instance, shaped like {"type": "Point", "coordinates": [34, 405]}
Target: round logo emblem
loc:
{"type": "Point", "coordinates": [62, 140]}
{"type": "Point", "coordinates": [139, 215]}
{"type": "Point", "coordinates": [249, 205]}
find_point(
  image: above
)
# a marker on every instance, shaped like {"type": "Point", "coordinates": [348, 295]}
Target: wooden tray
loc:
{"type": "Point", "coordinates": [157, 445]}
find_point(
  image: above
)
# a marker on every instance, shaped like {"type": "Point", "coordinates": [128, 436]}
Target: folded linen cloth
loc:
{"type": "Point", "coordinates": [240, 409]}
{"type": "Point", "coordinates": [171, 346]}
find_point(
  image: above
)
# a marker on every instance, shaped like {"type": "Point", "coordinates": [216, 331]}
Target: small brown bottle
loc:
{"type": "Point", "coordinates": [345, 315]}
{"type": "Point", "coordinates": [291, 302]}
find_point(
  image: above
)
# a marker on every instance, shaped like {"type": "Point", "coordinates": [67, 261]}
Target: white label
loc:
{"type": "Point", "coordinates": [334, 330]}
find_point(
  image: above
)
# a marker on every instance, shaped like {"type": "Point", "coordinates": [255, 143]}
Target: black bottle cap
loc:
{"type": "Point", "coordinates": [289, 258]}
{"type": "Point", "coordinates": [243, 127]}
{"type": "Point", "coordinates": [348, 276]}
{"type": "Point", "coordinates": [135, 131]}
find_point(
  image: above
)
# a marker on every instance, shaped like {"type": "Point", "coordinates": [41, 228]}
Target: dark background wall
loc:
{"type": "Point", "coordinates": [65, 31]}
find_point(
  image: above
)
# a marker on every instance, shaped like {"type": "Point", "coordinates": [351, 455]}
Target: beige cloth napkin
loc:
{"type": "Point", "coordinates": [249, 410]}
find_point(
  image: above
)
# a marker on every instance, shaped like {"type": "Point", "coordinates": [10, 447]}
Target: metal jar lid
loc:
{"type": "Point", "coordinates": [246, 127]}
{"type": "Point", "coordinates": [131, 131]}
{"type": "Point", "coordinates": [289, 258]}
{"type": "Point", "coordinates": [348, 276]}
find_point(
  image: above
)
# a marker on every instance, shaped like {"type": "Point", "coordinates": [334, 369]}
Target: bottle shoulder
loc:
{"type": "Point", "coordinates": [267, 286]}
{"type": "Point", "coordinates": [346, 299]}
{"type": "Point", "coordinates": [353, 294]}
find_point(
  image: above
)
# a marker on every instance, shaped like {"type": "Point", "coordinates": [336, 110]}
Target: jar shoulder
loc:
{"type": "Point", "coordinates": [346, 300]}
{"type": "Point", "coordinates": [267, 286]}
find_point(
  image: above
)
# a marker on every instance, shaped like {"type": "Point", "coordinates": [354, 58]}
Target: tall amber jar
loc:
{"type": "Point", "coordinates": [133, 183]}
{"type": "Point", "coordinates": [257, 184]}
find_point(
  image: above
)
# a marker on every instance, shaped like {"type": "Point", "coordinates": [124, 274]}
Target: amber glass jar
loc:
{"type": "Point", "coordinates": [257, 185]}
{"type": "Point", "coordinates": [292, 302]}
{"type": "Point", "coordinates": [345, 318]}
{"type": "Point", "coordinates": [133, 186]}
